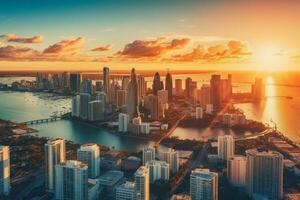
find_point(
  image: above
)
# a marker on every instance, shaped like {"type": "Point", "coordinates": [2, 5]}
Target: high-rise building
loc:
{"type": "Point", "coordinates": [205, 95]}
{"type": "Point", "coordinates": [121, 98]}
{"type": "Point", "coordinates": [71, 180]}
{"type": "Point", "coordinates": [125, 82]}
{"type": "Point", "coordinates": [199, 113]}
{"type": "Point", "coordinates": [84, 105]}
{"type": "Point", "coordinates": [264, 174]}
{"type": "Point", "coordinates": [123, 122]}
{"type": "Point", "coordinates": [96, 110]}
{"type": "Point", "coordinates": [169, 86]}
{"type": "Point", "coordinates": [216, 91]}
{"type": "Point", "coordinates": [190, 89]}
{"type": "Point", "coordinates": [178, 86]}
{"type": "Point", "coordinates": [76, 106]}
{"type": "Point", "coordinates": [86, 86]}
{"type": "Point", "coordinates": [106, 81]}
{"type": "Point", "coordinates": [55, 153]}
{"type": "Point", "coordinates": [148, 154]}
{"type": "Point", "coordinates": [99, 86]}
{"type": "Point", "coordinates": [155, 106]}
{"type": "Point", "coordinates": [132, 97]}
{"type": "Point", "coordinates": [203, 185]}
{"type": "Point", "coordinates": [101, 96]}
{"type": "Point", "coordinates": [65, 80]}
{"type": "Point", "coordinates": [142, 86]}
{"type": "Point", "coordinates": [172, 158]}
{"type": "Point", "coordinates": [75, 81]}
{"type": "Point", "coordinates": [4, 171]}
{"type": "Point", "coordinates": [226, 90]}
{"type": "Point", "coordinates": [126, 191]}
{"type": "Point", "coordinates": [163, 98]}
{"type": "Point", "coordinates": [158, 170]}
{"type": "Point", "coordinates": [157, 84]}
{"type": "Point", "coordinates": [258, 89]}
{"type": "Point", "coordinates": [142, 183]}
{"type": "Point", "coordinates": [90, 155]}
{"type": "Point", "coordinates": [225, 146]}
{"type": "Point", "coordinates": [236, 170]}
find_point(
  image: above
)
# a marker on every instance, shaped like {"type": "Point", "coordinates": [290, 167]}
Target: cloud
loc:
{"type": "Point", "coordinates": [232, 50]}
{"type": "Point", "coordinates": [10, 37]}
{"type": "Point", "coordinates": [68, 46]}
{"type": "Point", "coordinates": [11, 52]}
{"type": "Point", "coordinates": [152, 48]}
{"type": "Point", "coordinates": [103, 48]}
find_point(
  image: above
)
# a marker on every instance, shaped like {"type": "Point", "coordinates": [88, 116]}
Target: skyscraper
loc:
{"type": "Point", "coordinates": [159, 170]}
{"type": "Point", "coordinates": [203, 185]}
{"type": "Point", "coordinates": [178, 86]}
{"type": "Point", "coordinates": [4, 171]}
{"type": "Point", "coordinates": [142, 183]}
{"type": "Point", "coordinates": [225, 146]}
{"type": "Point", "coordinates": [121, 99]}
{"type": "Point", "coordinates": [90, 155]}
{"type": "Point", "coordinates": [264, 174]}
{"type": "Point", "coordinates": [75, 81]}
{"type": "Point", "coordinates": [55, 153]}
{"type": "Point", "coordinates": [84, 105]}
{"type": "Point", "coordinates": [236, 170]}
{"type": "Point", "coordinates": [142, 87]}
{"type": "Point", "coordinates": [106, 81]}
{"type": "Point", "coordinates": [132, 98]}
{"type": "Point", "coordinates": [169, 86]}
{"type": "Point", "coordinates": [123, 122]}
{"type": "Point", "coordinates": [76, 106]}
{"type": "Point", "coordinates": [71, 180]}
{"type": "Point", "coordinates": [205, 95]}
{"type": "Point", "coordinates": [86, 86]}
{"type": "Point", "coordinates": [126, 191]}
{"type": "Point", "coordinates": [216, 91]}
{"type": "Point", "coordinates": [157, 84]}
{"type": "Point", "coordinates": [148, 154]}
{"type": "Point", "coordinates": [172, 158]}
{"type": "Point", "coordinates": [96, 110]}
{"type": "Point", "coordinates": [258, 90]}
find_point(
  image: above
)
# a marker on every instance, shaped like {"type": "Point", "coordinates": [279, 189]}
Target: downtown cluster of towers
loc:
{"type": "Point", "coordinates": [259, 172]}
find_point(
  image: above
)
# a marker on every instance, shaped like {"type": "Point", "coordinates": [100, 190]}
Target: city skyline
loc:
{"type": "Point", "coordinates": [200, 35]}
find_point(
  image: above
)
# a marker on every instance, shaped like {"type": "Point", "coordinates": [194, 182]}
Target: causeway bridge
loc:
{"type": "Point", "coordinates": [46, 120]}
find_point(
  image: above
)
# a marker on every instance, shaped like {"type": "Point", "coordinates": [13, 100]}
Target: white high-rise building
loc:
{"type": "Point", "coordinates": [264, 174]}
{"type": "Point", "coordinates": [142, 183]}
{"type": "Point", "coordinates": [203, 185]}
{"type": "Point", "coordinates": [55, 153]}
{"type": "Point", "coordinates": [76, 105]}
{"type": "Point", "coordinates": [172, 158]}
{"type": "Point", "coordinates": [145, 128]}
{"type": "Point", "coordinates": [148, 154]}
{"type": "Point", "coordinates": [126, 191]}
{"type": "Point", "coordinates": [123, 122]}
{"type": "Point", "coordinates": [4, 170]}
{"type": "Point", "coordinates": [236, 170]}
{"type": "Point", "coordinates": [225, 146]}
{"type": "Point", "coordinates": [158, 170]}
{"type": "Point", "coordinates": [90, 155]}
{"type": "Point", "coordinates": [199, 113]}
{"type": "Point", "coordinates": [71, 180]}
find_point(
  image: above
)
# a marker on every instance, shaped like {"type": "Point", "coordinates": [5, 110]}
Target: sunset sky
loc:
{"type": "Point", "coordinates": [175, 34]}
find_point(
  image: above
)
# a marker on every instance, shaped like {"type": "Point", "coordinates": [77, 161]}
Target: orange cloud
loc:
{"type": "Point", "coordinates": [11, 52]}
{"type": "Point", "coordinates": [152, 48]}
{"type": "Point", "coordinates": [10, 37]}
{"type": "Point", "coordinates": [103, 48]}
{"type": "Point", "coordinates": [233, 49]}
{"type": "Point", "coordinates": [69, 46]}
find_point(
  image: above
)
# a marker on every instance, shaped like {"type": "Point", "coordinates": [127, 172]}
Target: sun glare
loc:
{"type": "Point", "coordinates": [271, 58]}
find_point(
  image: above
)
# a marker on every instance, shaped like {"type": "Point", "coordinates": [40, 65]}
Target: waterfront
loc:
{"type": "Point", "coordinates": [23, 106]}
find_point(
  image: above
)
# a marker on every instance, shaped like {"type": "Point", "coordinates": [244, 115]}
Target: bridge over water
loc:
{"type": "Point", "coordinates": [46, 120]}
